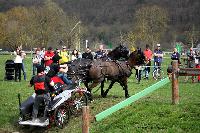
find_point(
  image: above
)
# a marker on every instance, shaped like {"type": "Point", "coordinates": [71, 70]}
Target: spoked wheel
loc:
{"type": "Point", "coordinates": [77, 101]}
{"type": "Point", "coordinates": [62, 115]}
{"type": "Point", "coordinates": [155, 74]}
{"type": "Point", "coordinates": [158, 74]}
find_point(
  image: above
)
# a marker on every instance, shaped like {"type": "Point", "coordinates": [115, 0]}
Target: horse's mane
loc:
{"type": "Point", "coordinates": [118, 53]}
{"type": "Point", "coordinates": [138, 56]}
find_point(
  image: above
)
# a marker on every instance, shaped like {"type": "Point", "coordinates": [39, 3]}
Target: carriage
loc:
{"type": "Point", "coordinates": [63, 105]}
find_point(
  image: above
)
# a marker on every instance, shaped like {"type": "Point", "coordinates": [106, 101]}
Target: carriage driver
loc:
{"type": "Point", "coordinates": [60, 75]}
{"type": "Point", "coordinates": [41, 85]}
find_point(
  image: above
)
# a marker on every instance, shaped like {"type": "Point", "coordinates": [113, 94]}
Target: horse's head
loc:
{"type": "Point", "coordinates": [119, 52]}
{"type": "Point", "coordinates": [79, 68]}
{"type": "Point", "coordinates": [136, 58]}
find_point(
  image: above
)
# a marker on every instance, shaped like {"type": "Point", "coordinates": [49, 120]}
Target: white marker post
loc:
{"type": "Point", "coordinates": [86, 43]}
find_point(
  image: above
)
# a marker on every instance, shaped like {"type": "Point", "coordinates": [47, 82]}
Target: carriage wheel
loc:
{"type": "Point", "coordinates": [77, 101]}
{"type": "Point", "coordinates": [62, 115]}
{"type": "Point", "coordinates": [156, 74]}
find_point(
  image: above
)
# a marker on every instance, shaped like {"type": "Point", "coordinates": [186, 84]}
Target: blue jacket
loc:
{"type": "Point", "coordinates": [175, 56]}
{"type": "Point", "coordinates": [156, 58]}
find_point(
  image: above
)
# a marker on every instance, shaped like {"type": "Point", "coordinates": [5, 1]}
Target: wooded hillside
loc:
{"type": "Point", "coordinates": [108, 21]}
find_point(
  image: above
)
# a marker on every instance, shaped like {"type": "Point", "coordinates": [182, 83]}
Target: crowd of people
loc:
{"type": "Point", "coordinates": [46, 58]}
{"type": "Point", "coordinates": [156, 57]}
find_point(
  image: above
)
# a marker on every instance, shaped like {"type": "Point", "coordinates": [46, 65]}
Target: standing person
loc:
{"type": "Point", "coordinates": [56, 57]}
{"type": "Point", "coordinates": [64, 54]}
{"type": "Point", "coordinates": [87, 54]}
{"type": "Point", "coordinates": [148, 56]}
{"type": "Point", "coordinates": [176, 56]}
{"type": "Point", "coordinates": [42, 53]}
{"type": "Point", "coordinates": [100, 53]}
{"type": "Point", "coordinates": [190, 58]}
{"type": "Point", "coordinates": [48, 58]}
{"type": "Point", "coordinates": [79, 55]}
{"type": "Point", "coordinates": [23, 54]}
{"type": "Point", "coordinates": [74, 55]}
{"type": "Point", "coordinates": [158, 57]}
{"type": "Point", "coordinates": [36, 60]}
{"type": "Point", "coordinates": [18, 64]}
{"type": "Point", "coordinates": [41, 85]}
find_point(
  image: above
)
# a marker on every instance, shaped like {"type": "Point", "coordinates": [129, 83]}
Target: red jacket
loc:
{"type": "Point", "coordinates": [49, 54]}
{"type": "Point", "coordinates": [57, 79]}
{"type": "Point", "coordinates": [148, 54]}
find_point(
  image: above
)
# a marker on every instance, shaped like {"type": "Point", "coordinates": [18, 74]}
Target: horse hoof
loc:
{"type": "Point", "coordinates": [127, 96]}
{"type": "Point", "coordinates": [104, 96]}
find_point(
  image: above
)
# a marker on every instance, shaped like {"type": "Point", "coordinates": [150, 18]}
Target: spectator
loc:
{"type": "Point", "coordinates": [148, 56]}
{"type": "Point", "coordinates": [57, 51]}
{"type": "Point", "coordinates": [56, 56]}
{"type": "Point", "coordinates": [190, 58]}
{"type": "Point", "coordinates": [158, 56]}
{"type": "Point", "coordinates": [100, 53]}
{"type": "Point", "coordinates": [36, 60]}
{"type": "Point", "coordinates": [48, 57]}
{"type": "Point", "coordinates": [176, 56]}
{"type": "Point", "coordinates": [74, 55]}
{"type": "Point", "coordinates": [79, 55]}
{"type": "Point", "coordinates": [23, 54]}
{"type": "Point", "coordinates": [18, 64]}
{"type": "Point", "coordinates": [64, 54]}
{"type": "Point", "coordinates": [87, 54]}
{"type": "Point", "coordinates": [42, 53]}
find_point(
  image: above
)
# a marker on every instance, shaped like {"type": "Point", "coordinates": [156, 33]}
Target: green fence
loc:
{"type": "Point", "coordinates": [131, 99]}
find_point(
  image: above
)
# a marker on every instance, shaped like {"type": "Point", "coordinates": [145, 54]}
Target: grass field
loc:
{"type": "Point", "coordinates": [153, 113]}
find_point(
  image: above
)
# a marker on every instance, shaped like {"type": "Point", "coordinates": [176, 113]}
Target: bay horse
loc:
{"type": "Point", "coordinates": [115, 71]}
{"type": "Point", "coordinates": [80, 67]}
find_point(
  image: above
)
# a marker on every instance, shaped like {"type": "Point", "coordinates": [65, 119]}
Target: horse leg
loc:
{"type": "Point", "coordinates": [123, 83]}
{"type": "Point", "coordinates": [102, 86]}
{"type": "Point", "coordinates": [110, 86]}
{"type": "Point", "coordinates": [88, 89]}
{"type": "Point", "coordinates": [94, 84]}
{"type": "Point", "coordinates": [86, 85]}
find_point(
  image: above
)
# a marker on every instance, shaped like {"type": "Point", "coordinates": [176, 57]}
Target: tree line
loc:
{"type": "Point", "coordinates": [135, 22]}
{"type": "Point", "coordinates": [41, 26]}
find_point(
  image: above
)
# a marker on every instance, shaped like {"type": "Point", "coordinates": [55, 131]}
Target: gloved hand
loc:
{"type": "Point", "coordinates": [74, 80]}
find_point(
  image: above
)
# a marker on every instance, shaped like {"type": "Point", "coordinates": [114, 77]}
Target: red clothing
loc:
{"type": "Point", "coordinates": [48, 62]}
{"type": "Point", "coordinates": [198, 66]}
{"type": "Point", "coordinates": [148, 54]}
{"type": "Point", "coordinates": [57, 79]}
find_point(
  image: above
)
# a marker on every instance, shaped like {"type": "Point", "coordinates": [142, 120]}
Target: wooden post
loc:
{"type": "Point", "coordinates": [175, 88]}
{"type": "Point", "coordinates": [85, 119]}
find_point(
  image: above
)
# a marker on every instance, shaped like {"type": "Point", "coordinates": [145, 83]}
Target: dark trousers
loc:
{"type": "Point", "coordinates": [138, 74]}
{"type": "Point", "coordinates": [35, 68]}
{"type": "Point", "coordinates": [147, 69]}
{"type": "Point", "coordinates": [18, 69]}
{"type": "Point", "coordinates": [40, 99]}
{"type": "Point", "coordinates": [23, 70]}
{"type": "Point", "coordinates": [158, 65]}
